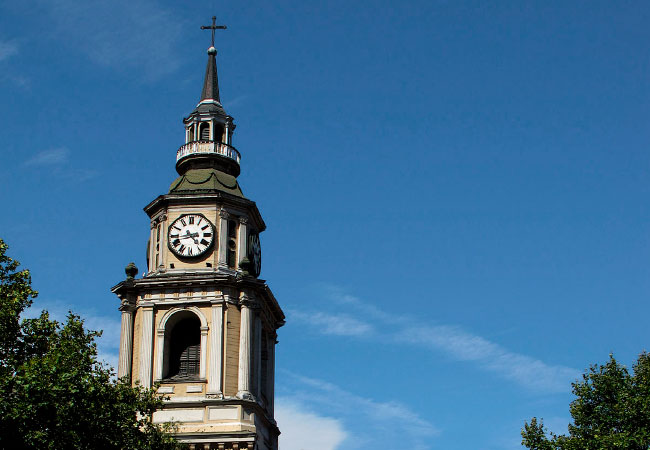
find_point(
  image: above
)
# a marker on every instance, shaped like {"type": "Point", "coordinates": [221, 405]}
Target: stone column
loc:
{"type": "Point", "coordinates": [241, 240]}
{"type": "Point", "coordinates": [160, 354]}
{"type": "Point", "coordinates": [146, 345]}
{"type": "Point", "coordinates": [229, 129]}
{"type": "Point", "coordinates": [271, 377]}
{"type": "Point", "coordinates": [126, 342]}
{"type": "Point", "coordinates": [204, 352]}
{"type": "Point", "coordinates": [215, 374]}
{"type": "Point", "coordinates": [223, 238]}
{"type": "Point", "coordinates": [257, 372]}
{"type": "Point", "coordinates": [163, 241]}
{"type": "Point", "coordinates": [152, 248]}
{"type": "Point", "coordinates": [245, 342]}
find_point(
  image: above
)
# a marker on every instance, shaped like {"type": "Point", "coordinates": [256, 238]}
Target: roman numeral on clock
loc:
{"type": "Point", "coordinates": [191, 235]}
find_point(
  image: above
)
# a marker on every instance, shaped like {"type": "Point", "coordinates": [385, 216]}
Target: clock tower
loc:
{"type": "Point", "coordinates": [200, 323]}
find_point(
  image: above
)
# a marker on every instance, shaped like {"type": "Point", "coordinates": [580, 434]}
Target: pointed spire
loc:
{"type": "Point", "coordinates": [211, 83]}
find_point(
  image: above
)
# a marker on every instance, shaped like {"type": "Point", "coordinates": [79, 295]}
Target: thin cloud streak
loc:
{"type": "Point", "coordinates": [8, 49]}
{"type": "Point", "coordinates": [384, 416]}
{"type": "Point", "coordinates": [526, 371]}
{"type": "Point", "coordinates": [142, 35]}
{"type": "Point", "coordinates": [338, 324]}
{"type": "Point", "coordinates": [51, 157]}
{"type": "Point", "coordinates": [302, 428]}
{"type": "Point", "coordinates": [57, 159]}
{"type": "Point", "coordinates": [461, 345]}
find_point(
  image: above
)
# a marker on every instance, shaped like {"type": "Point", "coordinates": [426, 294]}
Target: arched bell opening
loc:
{"type": "Point", "coordinates": [182, 347]}
{"type": "Point", "coordinates": [204, 131]}
{"type": "Point", "coordinates": [218, 133]}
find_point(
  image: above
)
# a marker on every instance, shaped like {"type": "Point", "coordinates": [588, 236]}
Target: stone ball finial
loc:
{"type": "Point", "coordinates": [131, 271]}
{"type": "Point", "coordinates": [245, 266]}
{"type": "Point", "coordinates": [212, 51]}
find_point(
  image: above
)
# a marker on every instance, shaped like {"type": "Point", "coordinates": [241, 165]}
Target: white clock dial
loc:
{"type": "Point", "coordinates": [191, 235]}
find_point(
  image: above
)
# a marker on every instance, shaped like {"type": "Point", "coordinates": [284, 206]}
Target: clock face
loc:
{"type": "Point", "coordinates": [191, 235]}
{"type": "Point", "coordinates": [255, 253]}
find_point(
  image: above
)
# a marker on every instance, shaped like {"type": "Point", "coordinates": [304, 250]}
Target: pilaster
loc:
{"type": "Point", "coordinates": [146, 346]}
{"type": "Point", "coordinates": [257, 346]}
{"type": "Point", "coordinates": [245, 342]}
{"type": "Point", "coordinates": [271, 375]}
{"type": "Point", "coordinates": [160, 353]}
{"type": "Point", "coordinates": [126, 341]}
{"type": "Point", "coordinates": [163, 241]}
{"type": "Point", "coordinates": [242, 243]}
{"type": "Point", "coordinates": [215, 375]}
{"type": "Point", "coordinates": [223, 238]}
{"type": "Point", "coordinates": [204, 351]}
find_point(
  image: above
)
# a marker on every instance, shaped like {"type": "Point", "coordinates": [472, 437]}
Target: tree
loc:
{"type": "Point", "coordinates": [611, 411]}
{"type": "Point", "coordinates": [54, 393]}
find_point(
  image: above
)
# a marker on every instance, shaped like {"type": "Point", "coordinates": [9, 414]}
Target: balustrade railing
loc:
{"type": "Point", "coordinates": [206, 147]}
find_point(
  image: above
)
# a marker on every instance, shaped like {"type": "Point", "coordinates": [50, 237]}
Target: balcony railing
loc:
{"type": "Point", "coordinates": [207, 147]}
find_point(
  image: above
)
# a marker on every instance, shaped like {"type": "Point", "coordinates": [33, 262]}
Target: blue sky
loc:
{"type": "Point", "coordinates": [455, 191]}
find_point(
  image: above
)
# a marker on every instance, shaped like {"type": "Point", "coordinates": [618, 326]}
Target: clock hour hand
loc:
{"type": "Point", "coordinates": [192, 236]}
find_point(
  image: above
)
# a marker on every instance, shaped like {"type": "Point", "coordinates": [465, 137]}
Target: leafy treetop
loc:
{"type": "Point", "coordinates": [54, 393]}
{"type": "Point", "coordinates": [611, 411]}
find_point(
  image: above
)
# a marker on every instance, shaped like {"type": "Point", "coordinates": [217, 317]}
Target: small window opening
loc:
{"type": "Point", "coordinates": [205, 131]}
{"type": "Point", "coordinates": [232, 243]}
{"type": "Point", "coordinates": [185, 349]}
{"type": "Point", "coordinates": [218, 134]}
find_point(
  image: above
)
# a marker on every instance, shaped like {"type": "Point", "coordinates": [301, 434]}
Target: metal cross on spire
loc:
{"type": "Point", "coordinates": [213, 27]}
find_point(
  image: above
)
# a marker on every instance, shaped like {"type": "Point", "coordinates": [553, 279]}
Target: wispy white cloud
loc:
{"type": "Point", "coordinates": [379, 417]}
{"type": "Point", "coordinates": [57, 160]}
{"type": "Point", "coordinates": [381, 411]}
{"type": "Point", "coordinates": [143, 35]}
{"type": "Point", "coordinates": [240, 99]}
{"type": "Point", "coordinates": [50, 157]}
{"type": "Point", "coordinates": [303, 429]}
{"type": "Point", "coordinates": [8, 49]}
{"type": "Point", "coordinates": [459, 344]}
{"type": "Point", "coordinates": [337, 324]}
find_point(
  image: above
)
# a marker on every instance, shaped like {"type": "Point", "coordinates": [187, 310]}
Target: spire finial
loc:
{"type": "Point", "coordinates": [211, 83]}
{"type": "Point", "coordinates": [213, 27]}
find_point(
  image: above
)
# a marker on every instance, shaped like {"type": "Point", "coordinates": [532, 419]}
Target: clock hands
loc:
{"type": "Point", "coordinates": [189, 235]}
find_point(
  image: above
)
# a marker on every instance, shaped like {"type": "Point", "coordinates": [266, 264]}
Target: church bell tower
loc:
{"type": "Point", "coordinates": [200, 323]}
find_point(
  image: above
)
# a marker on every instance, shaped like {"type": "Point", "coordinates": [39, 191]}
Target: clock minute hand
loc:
{"type": "Point", "coordinates": [192, 236]}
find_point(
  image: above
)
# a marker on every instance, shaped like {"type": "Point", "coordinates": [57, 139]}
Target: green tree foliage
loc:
{"type": "Point", "coordinates": [54, 393]}
{"type": "Point", "coordinates": [611, 411]}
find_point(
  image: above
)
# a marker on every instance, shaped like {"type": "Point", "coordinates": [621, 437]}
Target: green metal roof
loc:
{"type": "Point", "coordinates": [206, 180]}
